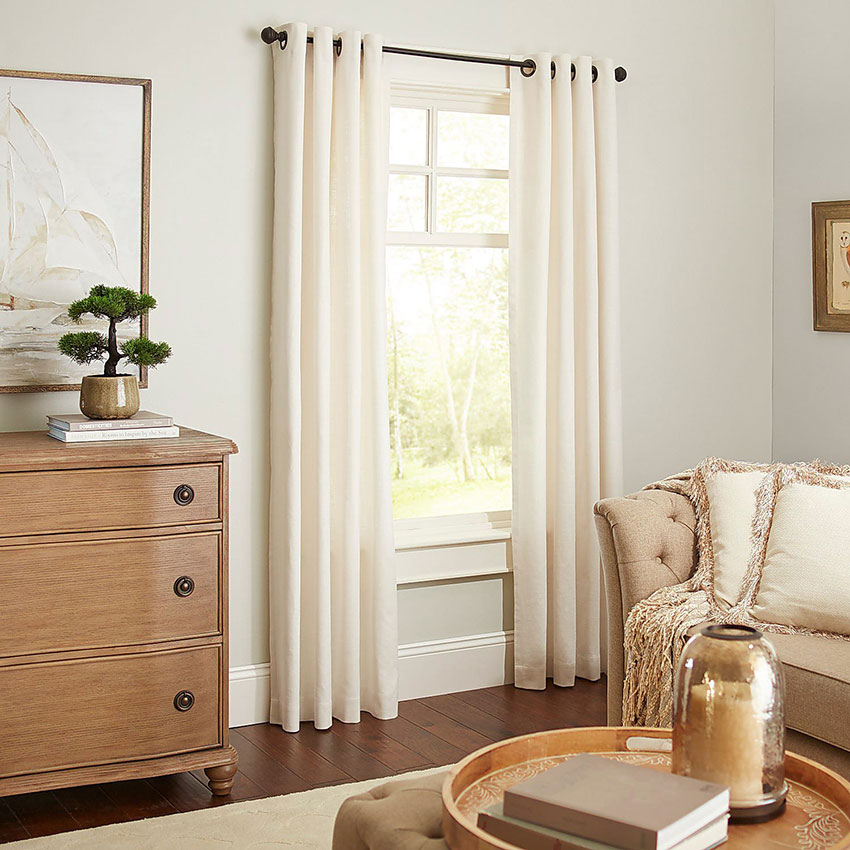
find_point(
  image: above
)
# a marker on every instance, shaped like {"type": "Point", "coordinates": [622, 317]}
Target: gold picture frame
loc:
{"type": "Point", "coordinates": [126, 240]}
{"type": "Point", "coordinates": [831, 265]}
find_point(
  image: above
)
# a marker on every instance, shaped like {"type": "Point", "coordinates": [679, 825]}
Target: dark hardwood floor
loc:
{"type": "Point", "coordinates": [427, 733]}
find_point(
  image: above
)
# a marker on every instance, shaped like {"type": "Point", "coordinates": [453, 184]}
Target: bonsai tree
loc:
{"type": "Point", "coordinates": [117, 304]}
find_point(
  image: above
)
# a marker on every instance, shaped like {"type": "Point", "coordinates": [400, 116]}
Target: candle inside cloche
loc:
{"type": "Point", "coordinates": [729, 718]}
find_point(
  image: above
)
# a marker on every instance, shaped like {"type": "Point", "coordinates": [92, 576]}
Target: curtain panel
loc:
{"type": "Point", "coordinates": [333, 619]}
{"type": "Point", "coordinates": [565, 360]}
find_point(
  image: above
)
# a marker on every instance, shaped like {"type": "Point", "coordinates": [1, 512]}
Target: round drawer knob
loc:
{"type": "Point", "coordinates": [184, 586]}
{"type": "Point", "coordinates": [184, 495]}
{"type": "Point", "coordinates": [184, 700]}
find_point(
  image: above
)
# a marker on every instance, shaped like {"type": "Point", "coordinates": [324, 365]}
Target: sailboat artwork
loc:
{"type": "Point", "coordinates": [73, 166]}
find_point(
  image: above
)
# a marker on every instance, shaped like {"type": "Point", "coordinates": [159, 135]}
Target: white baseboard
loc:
{"type": "Point", "coordinates": [424, 670]}
{"type": "Point", "coordinates": [455, 664]}
{"type": "Point", "coordinates": [249, 695]}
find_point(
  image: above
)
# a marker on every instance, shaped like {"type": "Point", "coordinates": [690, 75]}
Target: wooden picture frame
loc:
{"type": "Point", "coordinates": [831, 265]}
{"type": "Point", "coordinates": [138, 151]}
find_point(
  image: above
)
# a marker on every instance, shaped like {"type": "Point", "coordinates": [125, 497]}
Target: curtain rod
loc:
{"type": "Point", "coordinates": [527, 66]}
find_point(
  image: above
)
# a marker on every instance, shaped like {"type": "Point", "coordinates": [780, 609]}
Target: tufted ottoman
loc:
{"type": "Point", "coordinates": [401, 815]}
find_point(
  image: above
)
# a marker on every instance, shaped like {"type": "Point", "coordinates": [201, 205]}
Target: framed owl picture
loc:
{"type": "Point", "coordinates": [831, 265]}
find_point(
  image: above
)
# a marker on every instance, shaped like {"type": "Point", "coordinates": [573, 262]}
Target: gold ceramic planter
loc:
{"type": "Point", "coordinates": [109, 398]}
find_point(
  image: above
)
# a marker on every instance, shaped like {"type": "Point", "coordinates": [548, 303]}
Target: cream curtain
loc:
{"type": "Point", "coordinates": [334, 642]}
{"type": "Point", "coordinates": [565, 360]}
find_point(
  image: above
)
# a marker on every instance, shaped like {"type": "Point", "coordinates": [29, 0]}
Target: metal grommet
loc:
{"type": "Point", "coordinates": [620, 74]}
{"type": "Point", "coordinates": [593, 73]}
{"type": "Point", "coordinates": [282, 40]}
{"type": "Point", "coordinates": [528, 67]}
{"type": "Point", "coordinates": [572, 71]}
{"type": "Point", "coordinates": [338, 46]}
{"type": "Point", "coordinates": [553, 70]}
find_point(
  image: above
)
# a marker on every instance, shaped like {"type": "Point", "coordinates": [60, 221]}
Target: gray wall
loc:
{"type": "Point", "coordinates": [811, 402]}
{"type": "Point", "coordinates": [696, 193]}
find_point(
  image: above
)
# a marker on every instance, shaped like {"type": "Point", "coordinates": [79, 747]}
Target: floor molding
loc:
{"type": "Point", "coordinates": [425, 669]}
{"type": "Point", "coordinates": [250, 692]}
{"type": "Point", "coordinates": [455, 664]}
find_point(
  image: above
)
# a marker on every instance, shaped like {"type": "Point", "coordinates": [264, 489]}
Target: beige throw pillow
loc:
{"type": "Point", "coordinates": [724, 496]}
{"type": "Point", "coordinates": [805, 575]}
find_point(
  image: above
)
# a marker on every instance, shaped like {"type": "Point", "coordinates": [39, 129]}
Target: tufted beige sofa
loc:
{"type": "Point", "coordinates": [647, 542]}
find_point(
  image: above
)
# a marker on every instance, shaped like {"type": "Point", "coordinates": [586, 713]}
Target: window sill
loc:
{"type": "Point", "coordinates": [430, 539]}
{"type": "Point", "coordinates": [453, 548]}
{"type": "Point", "coordinates": [448, 578]}
{"type": "Point", "coordinates": [461, 529]}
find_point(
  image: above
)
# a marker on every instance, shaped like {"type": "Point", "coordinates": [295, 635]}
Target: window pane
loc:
{"type": "Point", "coordinates": [406, 210]}
{"type": "Point", "coordinates": [449, 385]}
{"type": "Point", "coordinates": [472, 205]}
{"type": "Point", "coordinates": [408, 136]}
{"type": "Point", "coordinates": [472, 140]}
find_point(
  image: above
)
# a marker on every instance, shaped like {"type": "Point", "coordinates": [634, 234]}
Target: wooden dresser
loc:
{"type": "Point", "coordinates": [113, 610]}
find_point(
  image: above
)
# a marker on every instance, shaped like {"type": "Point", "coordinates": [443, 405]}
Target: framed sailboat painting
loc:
{"type": "Point", "coordinates": [74, 212]}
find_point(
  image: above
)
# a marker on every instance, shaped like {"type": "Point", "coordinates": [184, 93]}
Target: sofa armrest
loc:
{"type": "Point", "coordinates": [647, 541]}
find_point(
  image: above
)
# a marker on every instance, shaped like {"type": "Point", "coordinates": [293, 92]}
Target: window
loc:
{"type": "Point", "coordinates": [447, 304]}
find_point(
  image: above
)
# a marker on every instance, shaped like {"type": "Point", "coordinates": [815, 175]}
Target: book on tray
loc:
{"type": "Point", "coordinates": [594, 803]}
{"type": "Point", "coordinates": [144, 425]}
{"type": "Point", "coordinates": [530, 836]}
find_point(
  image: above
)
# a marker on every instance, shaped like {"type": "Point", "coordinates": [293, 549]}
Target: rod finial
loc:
{"type": "Point", "coordinates": [270, 35]}
{"type": "Point", "coordinates": [620, 74]}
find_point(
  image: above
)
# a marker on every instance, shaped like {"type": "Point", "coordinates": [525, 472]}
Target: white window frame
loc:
{"type": "Point", "coordinates": [446, 99]}
{"type": "Point", "coordinates": [480, 527]}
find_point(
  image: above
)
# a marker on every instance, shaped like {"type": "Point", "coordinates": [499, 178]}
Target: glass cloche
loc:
{"type": "Point", "coordinates": [729, 718]}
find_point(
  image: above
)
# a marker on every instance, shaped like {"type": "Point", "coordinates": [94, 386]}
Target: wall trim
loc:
{"type": "Point", "coordinates": [425, 669]}
{"type": "Point", "coordinates": [250, 692]}
{"type": "Point", "coordinates": [446, 666]}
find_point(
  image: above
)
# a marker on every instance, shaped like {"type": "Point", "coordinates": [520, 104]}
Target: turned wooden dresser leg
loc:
{"type": "Point", "coordinates": [221, 778]}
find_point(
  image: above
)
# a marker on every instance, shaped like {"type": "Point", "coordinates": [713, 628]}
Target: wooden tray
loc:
{"type": "Point", "coordinates": [817, 815]}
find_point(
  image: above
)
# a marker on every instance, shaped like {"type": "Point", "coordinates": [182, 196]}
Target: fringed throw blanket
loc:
{"type": "Point", "coordinates": [656, 630]}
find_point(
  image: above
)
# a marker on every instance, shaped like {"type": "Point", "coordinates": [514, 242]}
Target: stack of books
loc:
{"type": "Point", "coordinates": [594, 803]}
{"type": "Point", "coordinates": [144, 425]}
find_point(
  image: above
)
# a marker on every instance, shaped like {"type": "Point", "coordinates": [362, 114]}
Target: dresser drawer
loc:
{"type": "Point", "coordinates": [87, 594]}
{"type": "Point", "coordinates": [88, 499]}
{"type": "Point", "coordinates": [97, 711]}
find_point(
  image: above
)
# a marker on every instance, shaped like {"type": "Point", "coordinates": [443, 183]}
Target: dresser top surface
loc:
{"type": "Point", "coordinates": [26, 451]}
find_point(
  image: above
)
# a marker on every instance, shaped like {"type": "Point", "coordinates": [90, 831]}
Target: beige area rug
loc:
{"type": "Point", "coordinates": [303, 820]}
